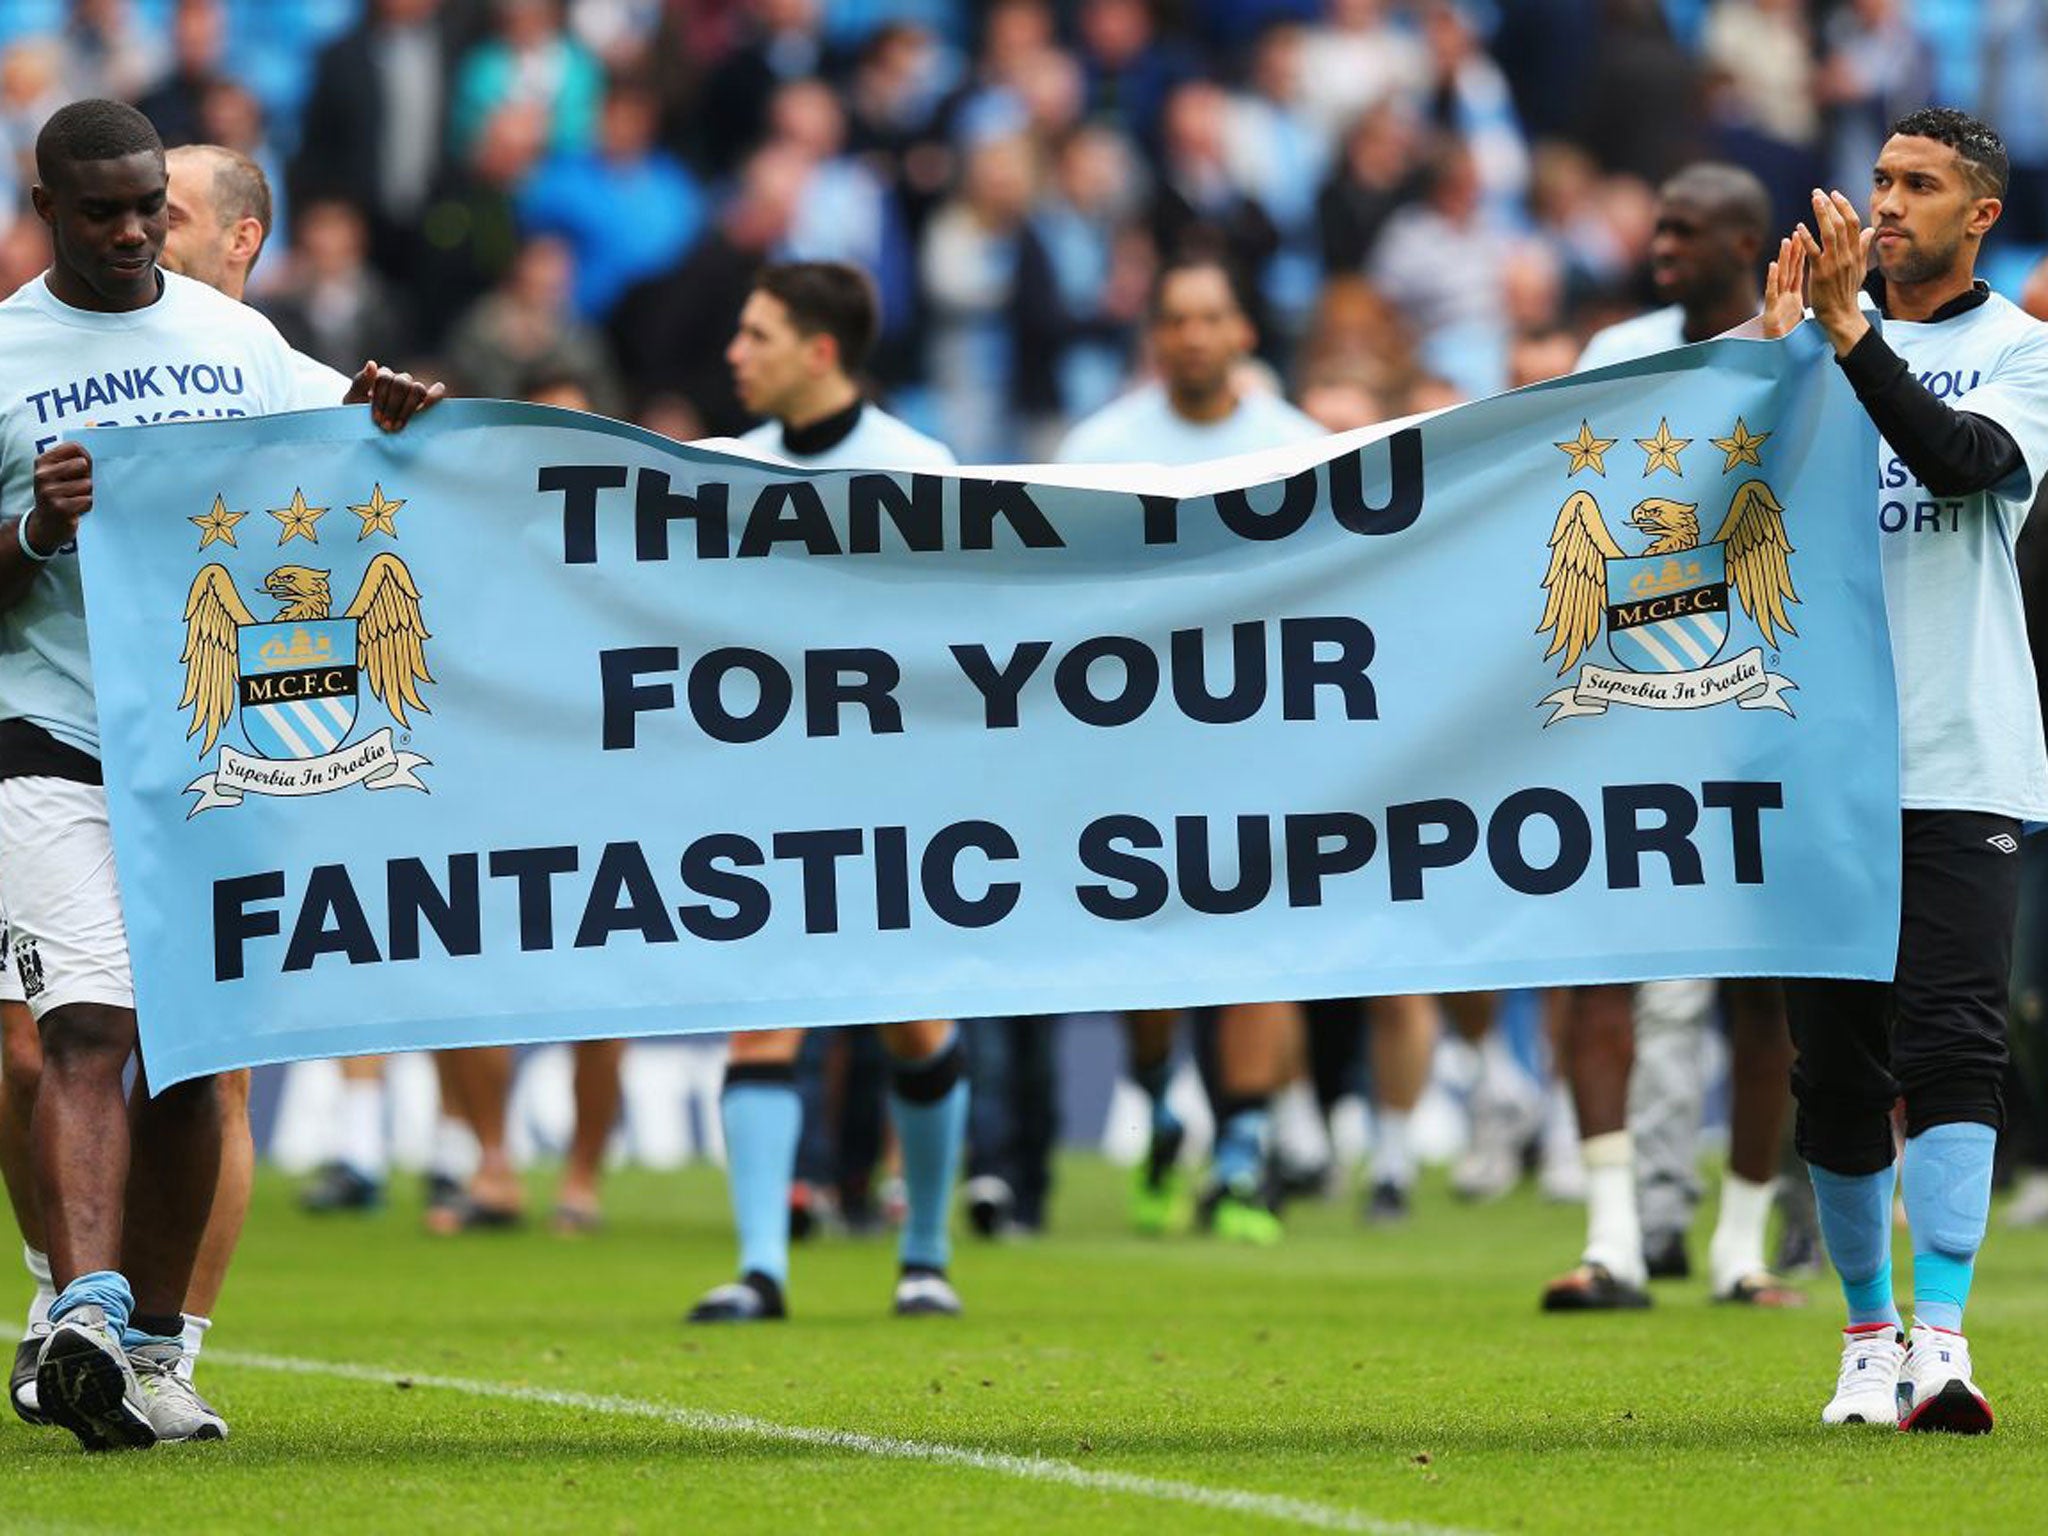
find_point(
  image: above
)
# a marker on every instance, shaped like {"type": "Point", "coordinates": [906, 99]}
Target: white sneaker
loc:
{"type": "Point", "coordinates": [1560, 1172]}
{"type": "Point", "coordinates": [1867, 1391]}
{"type": "Point", "coordinates": [175, 1408]}
{"type": "Point", "coordinates": [1503, 1124]}
{"type": "Point", "coordinates": [926, 1293]}
{"type": "Point", "coordinates": [1935, 1390]}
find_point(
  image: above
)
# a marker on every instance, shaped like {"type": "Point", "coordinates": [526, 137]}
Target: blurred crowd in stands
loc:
{"type": "Point", "coordinates": [1428, 200]}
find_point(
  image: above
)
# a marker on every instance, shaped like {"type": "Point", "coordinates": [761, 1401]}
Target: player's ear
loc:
{"type": "Point", "coordinates": [246, 241]}
{"type": "Point", "coordinates": [1984, 212]}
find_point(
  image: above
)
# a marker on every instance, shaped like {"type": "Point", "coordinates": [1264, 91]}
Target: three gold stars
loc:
{"type": "Point", "coordinates": [218, 526]}
{"type": "Point", "coordinates": [1586, 450]}
{"type": "Point", "coordinates": [1663, 449]}
{"type": "Point", "coordinates": [379, 514]}
{"type": "Point", "coordinates": [1661, 452]}
{"type": "Point", "coordinates": [298, 519]}
{"type": "Point", "coordinates": [1742, 447]}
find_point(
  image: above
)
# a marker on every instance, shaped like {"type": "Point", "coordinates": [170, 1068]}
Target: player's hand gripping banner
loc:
{"type": "Point", "coordinates": [527, 725]}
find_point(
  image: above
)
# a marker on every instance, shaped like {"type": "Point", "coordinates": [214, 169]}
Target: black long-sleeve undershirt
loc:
{"type": "Point", "coordinates": [1951, 452]}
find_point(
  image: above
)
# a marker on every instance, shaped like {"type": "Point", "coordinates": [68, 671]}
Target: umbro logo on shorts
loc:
{"type": "Point", "coordinates": [2005, 842]}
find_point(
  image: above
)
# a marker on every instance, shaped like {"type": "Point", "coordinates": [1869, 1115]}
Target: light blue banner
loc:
{"type": "Point", "coordinates": [527, 725]}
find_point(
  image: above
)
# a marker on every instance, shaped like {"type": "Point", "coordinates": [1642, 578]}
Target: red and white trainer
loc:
{"type": "Point", "coordinates": [1935, 1389]}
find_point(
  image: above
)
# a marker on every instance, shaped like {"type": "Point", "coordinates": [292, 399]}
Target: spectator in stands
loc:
{"type": "Point", "coordinates": [970, 264]}
{"type": "Point", "coordinates": [990, 104]}
{"type": "Point", "coordinates": [1271, 143]}
{"type": "Point", "coordinates": [669, 333]}
{"type": "Point", "coordinates": [1199, 201]}
{"type": "Point", "coordinates": [1132, 71]}
{"type": "Point", "coordinates": [198, 40]}
{"type": "Point", "coordinates": [107, 52]}
{"type": "Point", "coordinates": [1440, 263]}
{"type": "Point", "coordinates": [2015, 54]}
{"type": "Point", "coordinates": [580, 195]}
{"type": "Point", "coordinates": [1875, 70]}
{"type": "Point", "coordinates": [1375, 174]}
{"type": "Point", "coordinates": [847, 213]}
{"type": "Point", "coordinates": [527, 328]}
{"type": "Point", "coordinates": [375, 125]}
{"type": "Point", "coordinates": [780, 41]}
{"type": "Point", "coordinates": [31, 89]}
{"type": "Point", "coordinates": [469, 232]}
{"type": "Point", "coordinates": [331, 305]}
{"type": "Point", "coordinates": [1469, 98]}
{"type": "Point", "coordinates": [1083, 272]}
{"type": "Point", "coordinates": [531, 58]}
{"type": "Point", "coordinates": [1357, 59]}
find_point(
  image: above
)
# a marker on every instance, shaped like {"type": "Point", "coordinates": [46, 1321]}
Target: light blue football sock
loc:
{"type": "Point", "coordinates": [1856, 1222]}
{"type": "Point", "coordinates": [762, 1120]}
{"type": "Point", "coordinates": [1946, 1176]}
{"type": "Point", "coordinates": [106, 1289]}
{"type": "Point", "coordinates": [1155, 1078]}
{"type": "Point", "coordinates": [1241, 1146]}
{"type": "Point", "coordinates": [928, 1101]}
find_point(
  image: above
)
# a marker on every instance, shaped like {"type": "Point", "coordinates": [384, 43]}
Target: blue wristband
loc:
{"type": "Point", "coordinates": [21, 538]}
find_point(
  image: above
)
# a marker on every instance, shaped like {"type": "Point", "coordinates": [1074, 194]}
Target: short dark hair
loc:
{"type": "Point", "coordinates": [94, 129]}
{"type": "Point", "coordinates": [1975, 142]}
{"type": "Point", "coordinates": [1197, 256]}
{"type": "Point", "coordinates": [1729, 190]}
{"type": "Point", "coordinates": [828, 297]}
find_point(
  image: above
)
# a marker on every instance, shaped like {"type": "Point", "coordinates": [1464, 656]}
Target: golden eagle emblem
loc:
{"type": "Point", "coordinates": [1665, 610]}
{"type": "Point", "coordinates": [296, 678]}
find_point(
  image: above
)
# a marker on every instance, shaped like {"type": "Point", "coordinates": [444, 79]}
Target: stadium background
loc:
{"type": "Point", "coordinates": [1430, 201]}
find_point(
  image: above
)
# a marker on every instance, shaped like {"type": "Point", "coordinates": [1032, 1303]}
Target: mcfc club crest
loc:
{"type": "Point", "coordinates": [299, 683]}
{"type": "Point", "coordinates": [1666, 613]}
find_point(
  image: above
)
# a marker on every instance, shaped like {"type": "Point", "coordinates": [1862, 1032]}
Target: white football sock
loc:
{"type": "Point", "coordinates": [193, 1337]}
{"type": "Point", "coordinates": [1393, 1156]}
{"type": "Point", "coordinates": [1614, 1235]}
{"type": "Point", "coordinates": [454, 1149]}
{"type": "Point", "coordinates": [1738, 1246]}
{"type": "Point", "coordinates": [46, 1293]}
{"type": "Point", "coordinates": [362, 1128]}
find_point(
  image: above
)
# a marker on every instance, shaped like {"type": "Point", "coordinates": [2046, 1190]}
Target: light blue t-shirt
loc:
{"type": "Point", "coordinates": [1644, 336]}
{"type": "Point", "coordinates": [1144, 428]}
{"type": "Point", "coordinates": [193, 353]}
{"type": "Point", "coordinates": [1969, 713]}
{"type": "Point", "coordinates": [877, 441]}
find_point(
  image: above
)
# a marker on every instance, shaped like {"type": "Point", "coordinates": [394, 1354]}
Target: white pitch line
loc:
{"type": "Point", "coordinates": [1035, 1469]}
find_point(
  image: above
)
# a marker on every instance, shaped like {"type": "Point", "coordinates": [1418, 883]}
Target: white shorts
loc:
{"type": "Point", "coordinates": [68, 941]}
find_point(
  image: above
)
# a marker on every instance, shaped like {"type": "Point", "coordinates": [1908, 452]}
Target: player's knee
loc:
{"type": "Point", "coordinates": [764, 1047]}
{"type": "Point", "coordinates": [926, 1075]}
{"type": "Point", "coordinates": [918, 1039]}
{"type": "Point", "coordinates": [232, 1090]}
{"type": "Point", "coordinates": [87, 1037]}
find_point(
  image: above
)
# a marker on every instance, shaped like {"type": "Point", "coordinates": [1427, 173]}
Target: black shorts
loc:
{"type": "Point", "coordinates": [1935, 1034]}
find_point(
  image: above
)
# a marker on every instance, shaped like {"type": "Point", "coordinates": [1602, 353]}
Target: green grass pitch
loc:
{"type": "Point", "coordinates": [1353, 1379]}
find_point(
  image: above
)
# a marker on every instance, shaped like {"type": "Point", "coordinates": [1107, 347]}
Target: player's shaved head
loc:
{"type": "Point", "coordinates": [240, 189]}
{"type": "Point", "coordinates": [88, 131]}
{"type": "Point", "coordinates": [1728, 192]}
